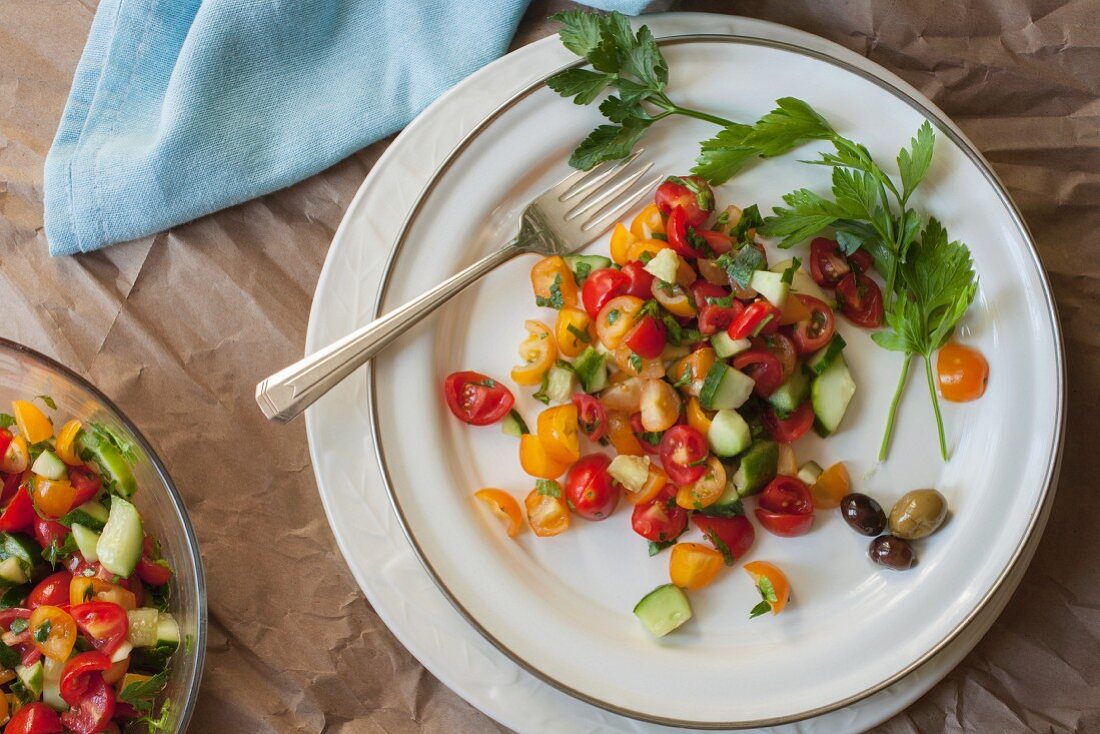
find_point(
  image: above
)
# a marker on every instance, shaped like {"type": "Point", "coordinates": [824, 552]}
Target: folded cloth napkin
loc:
{"type": "Point", "coordinates": [183, 107]}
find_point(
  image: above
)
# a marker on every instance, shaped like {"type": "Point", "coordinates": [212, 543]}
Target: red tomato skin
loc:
{"type": "Point", "coordinates": [862, 260]}
{"type": "Point", "coordinates": [759, 318]}
{"type": "Point", "coordinates": [641, 281]}
{"type": "Point", "coordinates": [659, 520]}
{"type": "Point", "coordinates": [11, 484]}
{"type": "Point", "coordinates": [34, 718]}
{"type": "Point", "coordinates": [784, 350]}
{"type": "Point", "coordinates": [49, 531]}
{"type": "Point", "coordinates": [104, 622]}
{"type": "Point", "coordinates": [148, 568]}
{"type": "Point", "coordinates": [19, 515]}
{"type": "Point", "coordinates": [600, 287]}
{"type": "Point", "coordinates": [860, 300]}
{"type": "Point", "coordinates": [671, 195]}
{"type": "Point", "coordinates": [86, 484]}
{"type": "Point", "coordinates": [683, 451]}
{"type": "Point", "coordinates": [788, 495]}
{"type": "Point", "coordinates": [481, 407]}
{"type": "Point", "coordinates": [827, 264]}
{"type": "Point", "coordinates": [648, 338]}
{"type": "Point", "coordinates": [794, 427]}
{"type": "Point", "coordinates": [5, 439]}
{"type": "Point", "coordinates": [701, 290]}
{"type": "Point", "coordinates": [639, 429]}
{"type": "Point", "coordinates": [784, 525]}
{"type": "Point", "coordinates": [93, 712]}
{"type": "Point", "coordinates": [591, 416]}
{"type": "Point", "coordinates": [52, 590]}
{"type": "Point", "coordinates": [818, 330]}
{"type": "Point", "coordinates": [763, 367]}
{"type": "Point", "coordinates": [737, 533]}
{"type": "Point", "coordinates": [677, 232]}
{"type": "Point", "coordinates": [719, 243]}
{"type": "Point", "coordinates": [591, 492]}
{"type": "Point", "coordinates": [78, 673]}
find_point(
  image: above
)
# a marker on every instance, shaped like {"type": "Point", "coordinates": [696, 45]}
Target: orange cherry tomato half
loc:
{"type": "Point", "coordinates": [538, 352]}
{"type": "Point", "coordinates": [698, 418]}
{"type": "Point", "coordinates": [695, 366]}
{"type": "Point", "coordinates": [693, 565]}
{"type": "Point", "coordinates": [649, 222]}
{"type": "Point", "coordinates": [962, 373]}
{"type": "Point", "coordinates": [705, 490]}
{"type": "Point", "coordinates": [621, 240]}
{"type": "Point", "coordinates": [553, 283]}
{"type": "Point", "coordinates": [773, 586]}
{"type": "Point", "coordinates": [617, 318]}
{"type": "Point", "coordinates": [830, 487]}
{"type": "Point", "coordinates": [32, 422]}
{"type": "Point", "coordinates": [66, 443]}
{"type": "Point", "coordinates": [503, 506]}
{"type": "Point", "coordinates": [558, 431]}
{"type": "Point", "coordinates": [88, 588]}
{"type": "Point", "coordinates": [654, 484]}
{"type": "Point", "coordinates": [574, 331]}
{"type": "Point", "coordinates": [546, 511]}
{"type": "Point", "coordinates": [53, 498]}
{"type": "Point", "coordinates": [622, 435]}
{"type": "Point", "coordinates": [535, 461]}
{"type": "Point", "coordinates": [53, 631]}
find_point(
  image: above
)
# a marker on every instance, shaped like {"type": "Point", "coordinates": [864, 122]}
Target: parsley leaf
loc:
{"type": "Point", "coordinates": [581, 272]}
{"type": "Point", "coordinates": [913, 164]}
{"type": "Point", "coordinates": [50, 403]}
{"type": "Point", "coordinates": [720, 546]}
{"type": "Point", "coordinates": [740, 266]}
{"type": "Point", "coordinates": [6, 420]}
{"type": "Point", "coordinates": [555, 299]}
{"type": "Point", "coordinates": [548, 487]}
{"type": "Point", "coordinates": [760, 609]}
{"type": "Point", "coordinates": [792, 122]}
{"type": "Point", "coordinates": [656, 546]}
{"type": "Point", "coordinates": [579, 334]}
{"type": "Point", "coordinates": [788, 274]}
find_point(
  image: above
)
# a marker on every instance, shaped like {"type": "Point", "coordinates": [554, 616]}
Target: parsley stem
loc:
{"type": "Point", "coordinates": [667, 104]}
{"type": "Point", "coordinates": [935, 404]}
{"type": "Point", "coordinates": [894, 408]}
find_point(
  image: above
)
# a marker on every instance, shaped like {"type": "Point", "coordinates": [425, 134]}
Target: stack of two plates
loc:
{"type": "Point", "coordinates": [538, 633]}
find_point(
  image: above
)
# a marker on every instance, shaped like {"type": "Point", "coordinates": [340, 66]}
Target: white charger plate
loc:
{"type": "Point", "coordinates": [817, 656]}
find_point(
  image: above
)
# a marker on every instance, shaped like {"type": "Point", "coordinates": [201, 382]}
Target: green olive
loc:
{"type": "Point", "coordinates": [918, 514]}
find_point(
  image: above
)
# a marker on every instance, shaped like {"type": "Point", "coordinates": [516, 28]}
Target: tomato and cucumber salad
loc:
{"type": "Point", "coordinates": [85, 637]}
{"type": "Point", "coordinates": [676, 375]}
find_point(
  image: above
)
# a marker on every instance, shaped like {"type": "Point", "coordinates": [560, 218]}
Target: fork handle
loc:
{"type": "Point", "coordinates": [289, 391]}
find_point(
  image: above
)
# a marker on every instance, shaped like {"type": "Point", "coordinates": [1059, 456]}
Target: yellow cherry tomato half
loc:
{"type": "Point", "coordinates": [621, 240]}
{"type": "Point", "coordinates": [660, 406]}
{"type": "Point", "coordinates": [962, 373]}
{"type": "Point", "coordinates": [705, 490]}
{"type": "Point", "coordinates": [641, 247]}
{"type": "Point", "coordinates": [695, 366]}
{"type": "Point", "coordinates": [17, 457]}
{"type": "Point", "coordinates": [649, 222]}
{"type": "Point", "coordinates": [673, 297]}
{"type": "Point", "coordinates": [32, 422]}
{"type": "Point", "coordinates": [538, 352]}
{"type": "Point", "coordinates": [558, 432]}
{"type": "Point", "coordinates": [547, 514]}
{"type": "Point", "coordinates": [776, 592]}
{"type": "Point", "coordinates": [830, 487]}
{"type": "Point", "coordinates": [693, 565]}
{"type": "Point", "coordinates": [553, 283]}
{"type": "Point", "coordinates": [654, 483]}
{"type": "Point", "coordinates": [634, 365]}
{"type": "Point", "coordinates": [698, 418]}
{"type": "Point", "coordinates": [53, 631]}
{"type": "Point", "coordinates": [503, 506]}
{"type": "Point", "coordinates": [622, 435]}
{"type": "Point", "coordinates": [52, 497]}
{"type": "Point", "coordinates": [88, 588]}
{"type": "Point", "coordinates": [575, 331]}
{"type": "Point", "coordinates": [66, 443]}
{"type": "Point", "coordinates": [617, 318]}
{"type": "Point", "coordinates": [535, 461]}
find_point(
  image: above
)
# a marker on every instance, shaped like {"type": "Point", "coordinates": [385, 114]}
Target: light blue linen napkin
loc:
{"type": "Point", "coordinates": [183, 107]}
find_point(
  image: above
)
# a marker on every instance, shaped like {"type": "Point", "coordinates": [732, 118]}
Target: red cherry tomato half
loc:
{"type": "Point", "coordinates": [862, 260]}
{"type": "Point", "coordinates": [589, 488]}
{"type": "Point", "coordinates": [680, 233]}
{"type": "Point", "coordinates": [763, 367]}
{"type": "Point", "coordinates": [717, 307]}
{"type": "Point", "coordinates": [639, 430]}
{"type": "Point", "coordinates": [648, 338]}
{"type": "Point", "coordinates": [791, 428]}
{"type": "Point", "coordinates": [104, 622]}
{"type": "Point", "coordinates": [93, 712]}
{"type": "Point", "coordinates": [660, 520]}
{"type": "Point", "coordinates": [690, 193]}
{"type": "Point", "coordinates": [52, 590]}
{"type": "Point", "coordinates": [785, 526]}
{"type": "Point", "coordinates": [760, 318]}
{"type": "Point", "coordinates": [601, 286]}
{"type": "Point", "coordinates": [476, 398]}
{"type": "Point", "coordinates": [19, 515]}
{"type": "Point", "coordinates": [5, 439]}
{"type": "Point", "coordinates": [786, 507]}
{"type": "Point", "coordinates": [860, 300]}
{"type": "Point", "coordinates": [150, 568]}
{"type": "Point", "coordinates": [34, 718]}
{"type": "Point", "coordinates": [718, 242]}
{"type": "Point", "coordinates": [815, 332]}
{"type": "Point", "coordinates": [11, 484]}
{"type": "Point", "coordinates": [827, 264]}
{"type": "Point", "coordinates": [86, 484]}
{"type": "Point", "coordinates": [591, 416]}
{"type": "Point", "coordinates": [47, 532]}
{"type": "Point", "coordinates": [641, 280]}
{"type": "Point", "coordinates": [79, 672]}
{"type": "Point", "coordinates": [706, 293]}
{"type": "Point", "coordinates": [731, 536]}
{"type": "Point", "coordinates": [784, 350]}
{"type": "Point", "coordinates": [683, 454]}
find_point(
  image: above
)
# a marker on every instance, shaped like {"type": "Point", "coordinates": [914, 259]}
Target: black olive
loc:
{"type": "Point", "coordinates": [892, 552]}
{"type": "Point", "coordinates": [863, 514]}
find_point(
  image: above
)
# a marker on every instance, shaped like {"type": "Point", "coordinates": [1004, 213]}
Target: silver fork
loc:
{"type": "Point", "coordinates": [562, 219]}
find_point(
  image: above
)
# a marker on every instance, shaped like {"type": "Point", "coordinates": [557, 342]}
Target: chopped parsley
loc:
{"type": "Point", "coordinates": [555, 300]}
{"type": "Point", "coordinates": [548, 487]}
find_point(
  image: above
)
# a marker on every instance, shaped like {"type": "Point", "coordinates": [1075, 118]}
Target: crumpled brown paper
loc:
{"type": "Point", "coordinates": [178, 328]}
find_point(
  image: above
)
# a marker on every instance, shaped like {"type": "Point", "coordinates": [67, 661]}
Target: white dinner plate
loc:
{"type": "Point", "coordinates": [561, 608]}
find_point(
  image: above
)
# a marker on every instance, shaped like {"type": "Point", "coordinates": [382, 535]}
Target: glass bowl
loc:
{"type": "Point", "coordinates": [25, 373]}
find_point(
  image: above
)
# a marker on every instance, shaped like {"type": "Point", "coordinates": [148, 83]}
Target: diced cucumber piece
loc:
{"type": "Point", "coordinates": [513, 424]}
{"type": "Point", "coordinates": [48, 465]}
{"type": "Point", "coordinates": [728, 505]}
{"type": "Point", "coordinates": [32, 677]}
{"type": "Point", "coordinates": [792, 393]}
{"type": "Point", "coordinates": [51, 684]}
{"type": "Point", "coordinates": [119, 546]}
{"type": "Point", "coordinates": [802, 282]}
{"type": "Point", "coordinates": [583, 265]}
{"type": "Point", "coordinates": [86, 540]}
{"type": "Point", "coordinates": [591, 369]}
{"type": "Point", "coordinates": [758, 467]}
{"type": "Point", "coordinates": [725, 387]}
{"type": "Point", "coordinates": [664, 265]}
{"type": "Point", "coordinates": [24, 549]}
{"type": "Point", "coordinates": [168, 633]}
{"type": "Point", "coordinates": [725, 347]}
{"type": "Point", "coordinates": [122, 652]}
{"type": "Point", "coordinates": [630, 471]}
{"type": "Point", "coordinates": [771, 286]}
{"type": "Point", "coordinates": [809, 472]}
{"type": "Point", "coordinates": [728, 434]}
{"type": "Point", "coordinates": [831, 393]}
{"type": "Point", "coordinates": [92, 515]}
{"type": "Point", "coordinates": [143, 626]}
{"type": "Point", "coordinates": [787, 466]}
{"type": "Point", "coordinates": [11, 571]}
{"type": "Point", "coordinates": [561, 383]}
{"type": "Point", "coordinates": [663, 609]}
{"type": "Point", "coordinates": [820, 360]}
{"type": "Point", "coordinates": [96, 447]}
